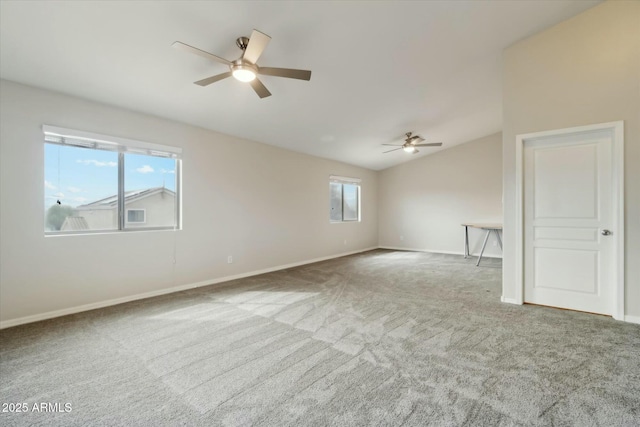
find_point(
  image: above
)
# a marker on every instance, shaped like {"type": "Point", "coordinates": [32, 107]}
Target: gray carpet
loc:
{"type": "Point", "coordinates": [381, 338]}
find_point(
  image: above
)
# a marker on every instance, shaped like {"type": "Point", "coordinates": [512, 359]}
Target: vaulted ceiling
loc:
{"type": "Point", "coordinates": [380, 68]}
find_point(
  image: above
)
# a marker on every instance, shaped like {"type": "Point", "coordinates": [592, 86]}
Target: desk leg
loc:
{"type": "Point", "coordinates": [499, 239]}
{"type": "Point", "coordinates": [486, 237]}
{"type": "Point", "coordinates": [466, 241]}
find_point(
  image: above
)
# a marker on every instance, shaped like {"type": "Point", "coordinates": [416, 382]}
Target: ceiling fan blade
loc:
{"type": "Point", "coordinates": [257, 43]}
{"type": "Point", "coordinates": [393, 145]}
{"type": "Point", "coordinates": [431, 144]}
{"type": "Point", "coordinates": [199, 52]}
{"type": "Point", "coordinates": [260, 89]}
{"type": "Point", "coordinates": [213, 79]}
{"type": "Point", "coordinates": [286, 72]}
{"type": "Point", "coordinates": [395, 149]}
{"type": "Point", "coordinates": [415, 139]}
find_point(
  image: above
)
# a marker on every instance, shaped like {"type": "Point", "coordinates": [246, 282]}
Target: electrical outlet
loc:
{"type": "Point", "coordinates": [229, 259]}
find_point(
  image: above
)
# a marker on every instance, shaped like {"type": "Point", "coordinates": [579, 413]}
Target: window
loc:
{"type": "Point", "coordinates": [344, 199]}
{"type": "Point", "coordinates": [135, 215]}
{"type": "Point", "coordinates": [100, 183]}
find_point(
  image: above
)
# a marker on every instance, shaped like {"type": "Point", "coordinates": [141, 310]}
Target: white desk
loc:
{"type": "Point", "coordinates": [489, 227]}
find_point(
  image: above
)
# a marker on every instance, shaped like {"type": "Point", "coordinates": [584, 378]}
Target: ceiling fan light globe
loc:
{"type": "Point", "coordinates": [244, 74]}
{"type": "Point", "coordinates": [409, 148]}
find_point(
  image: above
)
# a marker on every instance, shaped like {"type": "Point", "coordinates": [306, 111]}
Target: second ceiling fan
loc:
{"type": "Point", "coordinates": [410, 144]}
{"type": "Point", "coordinates": [245, 68]}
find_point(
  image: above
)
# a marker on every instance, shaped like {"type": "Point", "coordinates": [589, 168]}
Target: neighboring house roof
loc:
{"type": "Point", "coordinates": [129, 196]}
{"type": "Point", "coordinates": [74, 223]}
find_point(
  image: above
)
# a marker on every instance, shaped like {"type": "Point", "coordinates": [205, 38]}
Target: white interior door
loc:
{"type": "Point", "coordinates": [568, 211]}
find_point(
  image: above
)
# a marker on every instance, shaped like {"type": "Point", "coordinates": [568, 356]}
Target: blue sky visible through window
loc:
{"type": "Point", "coordinates": [76, 175]}
{"type": "Point", "coordinates": [142, 172]}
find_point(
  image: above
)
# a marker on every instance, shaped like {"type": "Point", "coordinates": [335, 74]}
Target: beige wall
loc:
{"type": "Point", "coordinates": [583, 71]}
{"type": "Point", "coordinates": [266, 206]}
{"type": "Point", "coordinates": [422, 203]}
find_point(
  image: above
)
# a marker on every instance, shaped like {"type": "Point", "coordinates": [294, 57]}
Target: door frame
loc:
{"type": "Point", "coordinates": [616, 130]}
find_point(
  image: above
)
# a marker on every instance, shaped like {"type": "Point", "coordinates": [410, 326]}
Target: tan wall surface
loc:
{"type": "Point", "coordinates": [264, 205]}
{"type": "Point", "coordinates": [585, 70]}
{"type": "Point", "coordinates": [422, 203]}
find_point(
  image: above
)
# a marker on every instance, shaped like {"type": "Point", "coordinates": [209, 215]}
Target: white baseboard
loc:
{"type": "Point", "coordinates": [629, 319]}
{"type": "Point", "coordinates": [433, 251]}
{"type": "Point", "coordinates": [632, 319]}
{"type": "Point", "coordinates": [510, 300]}
{"type": "Point", "coordinates": [86, 307]}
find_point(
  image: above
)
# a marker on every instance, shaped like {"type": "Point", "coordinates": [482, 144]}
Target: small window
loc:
{"type": "Point", "coordinates": [344, 199]}
{"type": "Point", "coordinates": [101, 183]}
{"type": "Point", "coordinates": [135, 215]}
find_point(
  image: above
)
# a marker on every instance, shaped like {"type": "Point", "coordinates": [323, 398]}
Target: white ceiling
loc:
{"type": "Point", "coordinates": [380, 69]}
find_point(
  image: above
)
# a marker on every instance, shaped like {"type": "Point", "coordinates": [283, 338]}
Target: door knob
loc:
{"type": "Point", "coordinates": [606, 232]}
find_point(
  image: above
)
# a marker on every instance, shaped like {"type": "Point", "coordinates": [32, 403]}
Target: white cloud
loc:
{"type": "Point", "coordinates": [49, 185]}
{"type": "Point", "coordinates": [59, 195]}
{"type": "Point", "coordinates": [167, 171]}
{"type": "Point", "coordinates": [145, 169]}
{"type": "Point", "coordinates": [97, 163]}
{"type": "Point", "coordinates": [80, 199]}
{"type": "Point", "coordinates": [74, 189]}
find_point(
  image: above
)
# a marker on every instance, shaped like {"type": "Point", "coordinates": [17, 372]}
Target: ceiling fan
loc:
{"type": "Point", "coordinates": [245, 68]}
{"type": "Point", "coordinates": [411, 142]}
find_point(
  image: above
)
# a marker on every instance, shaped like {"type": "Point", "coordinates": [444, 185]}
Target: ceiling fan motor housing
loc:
{"type": "Point", "coordinates": [241, 64]}
{"type": "Point", "coordinates": [243, 70]}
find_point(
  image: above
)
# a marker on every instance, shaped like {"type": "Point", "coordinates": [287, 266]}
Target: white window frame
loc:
{"type": "Point", "coordinates": [78, 138]}
{"type": "Point", "coordinates": [351, 181]}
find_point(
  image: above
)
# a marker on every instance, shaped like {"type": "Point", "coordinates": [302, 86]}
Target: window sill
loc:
{"type": "Point", "coordinates": [96, 232]}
